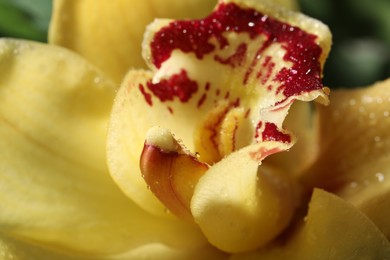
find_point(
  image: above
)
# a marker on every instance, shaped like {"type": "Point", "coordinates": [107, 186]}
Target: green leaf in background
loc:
{"type": "Point", "coordinates": [26, 19]}
{"type": "Point", "coordinates": [360, 53]}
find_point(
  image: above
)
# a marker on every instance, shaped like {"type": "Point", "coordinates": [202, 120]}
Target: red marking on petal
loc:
{"type": "Point", "coordinates": [195, 37]}
{"type": "Point", "coordinates": [284, 106]}
{"type": "Point", "coordinates": [236, 103]}
{"type": "Point", "coordinates": [178, 85]}
{"type": "Point", "coordinates": [247, 113]}
{"type": "Point", "coordinates": [207, 87]}
{"type": "Point", "coordinates": [170, 110]}
{"type": "Point", "coordinates": [271, 133]}
{"type": "Point", "coordinates": [215, 128]}
{"type": "Point", "coordinates": [147, 96]}
{"type": "Point", "coordinates": [249, 71]}
{"type": "Point", "coordinates": [269, 69]}
{"type": "Point", "coordinates": [257, 130]}
{"type": "Point", "coordinates": [201, 100]}
{"type": "Point", "coordinates": [235, 60]}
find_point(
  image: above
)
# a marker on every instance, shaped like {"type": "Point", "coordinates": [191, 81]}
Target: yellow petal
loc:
{"type": "Point", "coordinates": [109, 33]}
{"type": "Point", "coordinates": [55, 188]}
{"type": "Point", "coordinates": [170, 171]}
{"type": "Point", "coordinates": [332, 229]}
{"type": "Point", "coordinates": [130, 120]}
{"type": "Point", "coordinates": [354, 150]}
{"type": "Point", "coordinates": [301, 120]}
{"type": "Point", "coordinates": [240, 206]}
{"type": "Point", "coordinates": [162, 252]}
{"type": "Point", "coordinates": [14, 249]}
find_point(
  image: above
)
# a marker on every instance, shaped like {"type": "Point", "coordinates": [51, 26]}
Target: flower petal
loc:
{"type": "Point", "coordinates": [301, 120]}
{"type": "Point", "coordinates": [240, 206]}
{"type": "Point", "coordinates": [354, 150]}
{"type": "Point", "coordinates": [127, 133]}
{"type": "Point", "coordinates": [13, 249]}
{"type": "Point", "coordinates": [55, 188]}
{"type": "Point", "coordinates": [249, 55]}
{"type": "Point", "coordinates": [170, 171]}
{"type": "Point", "coordinates": [332, 229]}
{"type": "Point", "coordinates": [109, 33]}
{"type": "Point", "coordinates": [162, 252]}
{"type": "Point", "coordinates": [207, 100]}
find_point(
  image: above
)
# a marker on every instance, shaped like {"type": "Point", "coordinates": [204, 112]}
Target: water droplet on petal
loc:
{"type": "Point", "coordinates": [97, 80]}
{"type": "Point", "coordinates": [352, 102]}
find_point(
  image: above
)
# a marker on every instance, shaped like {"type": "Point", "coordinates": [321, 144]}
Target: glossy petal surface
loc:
{"type": "Point", "coordinates": [109, 33]}
{"type": "Point", "coordinates": [332, 229]}
{"type": "Point", "coordinates": [55, 187]}
{"type": "Point", "coordinates": [13, 249]}
{"type": "Point", "coordinates": [354, 150]}
{"type": "Point", "coordinates": [241, 205]}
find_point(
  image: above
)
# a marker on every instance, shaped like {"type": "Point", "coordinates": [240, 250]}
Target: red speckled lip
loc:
{"type": "Point", "coordinates": [274, 60]}
{"type": "Point", "coordinates": [194, 37]}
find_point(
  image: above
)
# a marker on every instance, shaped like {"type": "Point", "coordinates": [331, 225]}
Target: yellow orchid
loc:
{"type": "Point", "coordinates": [209, 154]}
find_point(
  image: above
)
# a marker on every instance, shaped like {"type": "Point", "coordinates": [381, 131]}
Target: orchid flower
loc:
{"type": "Point", "coordinates": [209, 148]}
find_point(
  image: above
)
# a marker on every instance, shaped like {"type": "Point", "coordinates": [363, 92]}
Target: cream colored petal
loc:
{"type": "Point", "coordinates": [332, 229]}
{"type": "Point", "coordinates": [354, 150]}
{"type": "Point", "coordinates": [253, 56]}
{"type": "Point", "coordinates": [170, 171]}
{"type": "Point", "coordinates": [162, 252]}
{"type": "Point", "coordinates": [241, 206]}
{"type": "Point", "coordinates": [109, 33]}
{"type": "Point", "coordinates": [14, 249]}
{"type": "Point", "coordinates": [301, 120]}
{"type": "Point", "coordinates": [134, 113]}
{"type": "Point", "coordinates": [55, 188]}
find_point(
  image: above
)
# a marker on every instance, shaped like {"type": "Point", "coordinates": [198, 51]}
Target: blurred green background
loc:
{"type": "Point", "coordinates": [361, 34]}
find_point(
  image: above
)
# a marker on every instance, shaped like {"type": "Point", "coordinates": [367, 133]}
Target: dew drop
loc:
{"type": "Point", "coordinates": [223, 192]}
{"type": "Point", "coordinates": [380, 177]}
{"type": "Point", "coordinates": [367, 99]}
{"type": "Point", "coordinates": [97, 80]}
{"type": "Point", "coordinates": [353, 185]}
{"type": "Point", "coordinates": [352, 102]}
{"type": "Point", "coordinates": [386, 113]}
